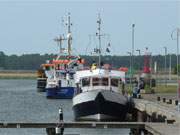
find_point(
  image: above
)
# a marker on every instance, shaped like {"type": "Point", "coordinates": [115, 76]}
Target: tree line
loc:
{"type": "Point", "coordinates": [33, 61]}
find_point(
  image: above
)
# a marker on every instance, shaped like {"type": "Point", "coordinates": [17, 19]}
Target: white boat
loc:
{"type": "Point", "coordinates": [98, 96]}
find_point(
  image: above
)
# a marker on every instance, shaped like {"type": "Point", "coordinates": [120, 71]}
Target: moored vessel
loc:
{"type": "Point", "coordinates": [98, 96]}
{"type": "Point", "coordinates": [60, 83]}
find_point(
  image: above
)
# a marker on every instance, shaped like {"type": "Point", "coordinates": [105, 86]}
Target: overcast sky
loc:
{"type": "Point", "coordinates": [30, 26]}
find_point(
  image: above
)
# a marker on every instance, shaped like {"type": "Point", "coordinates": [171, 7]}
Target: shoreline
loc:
{"type": "Point", "coordinates": [18, 74]}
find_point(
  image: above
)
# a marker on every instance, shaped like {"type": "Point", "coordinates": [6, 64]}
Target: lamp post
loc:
{"type": "Point", "coordinates": [130, 66]}
{"type": "Point", "coordinates": [165, 66]}
{"type": "Point", "coordinates": [132, 53]}
{"type": "Point", "coordinates": [177, 55]}
{"type": "Point", "coordinates": [169, 66]}
{"type": "Point", "coordinates": [138, 50]}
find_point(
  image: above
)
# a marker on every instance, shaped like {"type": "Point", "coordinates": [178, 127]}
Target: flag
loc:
{"type": "Point", "coordinates": [108, 48]}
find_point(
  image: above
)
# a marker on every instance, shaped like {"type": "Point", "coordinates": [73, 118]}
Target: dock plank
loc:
{"type": "Point", "coordinates": [154, 128]}
{"type": "Point", "coordinates": [75, 125]}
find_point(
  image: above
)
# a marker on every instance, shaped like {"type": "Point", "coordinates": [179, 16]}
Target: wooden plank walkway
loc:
{"type": "Point", "coordinates": [139, 125]}
{"type": "Point", "coordinates": [154, 128]}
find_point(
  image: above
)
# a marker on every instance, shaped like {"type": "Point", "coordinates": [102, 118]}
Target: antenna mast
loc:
{"type": "Point", "coordinates": [99, 37]}
{"type": "Point", "coordinates": [59, 41]}
{"type": "Point", "coordinates": [69, 37]}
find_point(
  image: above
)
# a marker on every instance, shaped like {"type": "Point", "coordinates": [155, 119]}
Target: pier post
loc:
{"type": "Point", "coordinates": [60, 128]}
{"type": "Point", "coordinates": [158, 98]}
{"type": "Point", "coordinates": [50, 131]}
{"type": "Point", "coordinates": [141, 116]}
{"type": "Point", "coordinates": [176, 102]}
{"type": "Point", "coordinates": [138, 116]}
{"type": "Point", "coordinates": [164, 100]}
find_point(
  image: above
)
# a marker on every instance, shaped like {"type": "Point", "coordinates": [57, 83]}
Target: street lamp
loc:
{"type": "Point", "coordinates": [170, 66]}
{"type": "Point", "coordinates": [165, 49]}
{"type": "Point", "coordinates": [138, 50]}
{"type": "Point", "coordinates": [130, 66]}
{"type": "Point", "coordinates": [132, 53]}
{"type": "Point", "coordinates": [177, 41]}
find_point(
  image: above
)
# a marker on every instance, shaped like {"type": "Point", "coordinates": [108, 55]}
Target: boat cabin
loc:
{"type": "Point", "coordinates": [99, 79]}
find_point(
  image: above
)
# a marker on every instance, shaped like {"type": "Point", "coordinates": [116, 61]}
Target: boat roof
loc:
{"type": "Point", "coordinates": [99, 73]}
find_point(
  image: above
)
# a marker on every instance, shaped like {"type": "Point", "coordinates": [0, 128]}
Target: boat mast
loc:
{"type": "Point", "coordinates": [59, 41]}
{"type": "Point", "coordinates": [69, 37]}
{"type": "Point", "coordinates": [99, 38]}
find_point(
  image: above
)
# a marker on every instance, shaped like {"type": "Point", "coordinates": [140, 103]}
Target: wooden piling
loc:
{"type": "Point", "coordinates": [164, 100]}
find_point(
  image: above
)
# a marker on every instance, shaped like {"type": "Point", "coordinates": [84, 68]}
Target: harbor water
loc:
{"type": "Point", "coordinates": [20, 102]}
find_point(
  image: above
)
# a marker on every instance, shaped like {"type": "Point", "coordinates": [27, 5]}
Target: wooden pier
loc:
{"type": "Point", "coordinates": [147, 127]}
{"type": "Point", "coordinates": [139, 125]}
{"type": "Point", "coordinates": [157, 111]}
{"type": "Point", "coordinates": [150, 117]}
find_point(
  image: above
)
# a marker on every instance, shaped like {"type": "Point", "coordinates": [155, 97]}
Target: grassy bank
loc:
{"type": "Point", "coordinates": [17, 75]}
{"type": "Point", "coordinates": [165, 89]}
{"type": "Point", "coordinates": [157, 89]}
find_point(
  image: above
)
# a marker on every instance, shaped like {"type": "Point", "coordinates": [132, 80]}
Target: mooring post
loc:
{"type": "Point", "coordinates": [164, 100]}
{"type": "Point", "coordinates": [176, 102]}
{"type": "Point", "coordinates": [50, 131]}
{"type": "Point", "coordinates": [158, 98]}
{"type": "Point", "coordinates": [60, 115]}
{"type": "Point", "coordinates": [60, 127]}
{"type": "Point", "coordinates": [141, 116]}
{"type": "Point", "coordinates": [170, 101]}
{"type": "Point", "coordinates": [138, 116]}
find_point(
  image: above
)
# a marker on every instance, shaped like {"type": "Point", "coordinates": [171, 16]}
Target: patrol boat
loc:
{"type": "Point", "coordinates": [98, 97]}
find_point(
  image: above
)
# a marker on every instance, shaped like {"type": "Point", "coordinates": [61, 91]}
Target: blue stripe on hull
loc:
{"type": "Point", "coordinates": [62, 92]}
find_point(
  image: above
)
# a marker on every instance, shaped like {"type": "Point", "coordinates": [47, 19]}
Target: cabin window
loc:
{"type": "Point", "coordinates": [100, 81]}
{"type": "Point", "coordinates": [85, 82]}
{"type": "Point", "coordinates": [105, 81]}
{"type": "Point", "coordinates": [114, 82]}
{"type": "Point", "coordinates": [96, 81]}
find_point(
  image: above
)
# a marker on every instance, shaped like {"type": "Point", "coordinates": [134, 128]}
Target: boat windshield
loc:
{"type": "Point", "coordinates": [100, 81]}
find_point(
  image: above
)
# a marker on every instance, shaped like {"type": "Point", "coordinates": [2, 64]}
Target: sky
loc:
{"type": "Point", "coordinates": [29, 26]}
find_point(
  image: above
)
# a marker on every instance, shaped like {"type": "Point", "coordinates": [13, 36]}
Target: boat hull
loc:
{"type": "Point", "coordinates": [60, 93]}
{"type": "Point", "coordinates": [106, 106]}
{"type": "Point", "coordinates": [41, 84]}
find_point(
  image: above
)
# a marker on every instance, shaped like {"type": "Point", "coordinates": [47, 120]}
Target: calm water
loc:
{"type": "Point", "coordinates": [19, 102]}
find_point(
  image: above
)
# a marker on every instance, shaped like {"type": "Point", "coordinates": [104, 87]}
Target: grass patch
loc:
{"type": "Point", "coordinates": [165, 89]}
{"type": "Point", "coordinates": [18, 76]}
{"type": "Point", "coordinates": [157, 89]}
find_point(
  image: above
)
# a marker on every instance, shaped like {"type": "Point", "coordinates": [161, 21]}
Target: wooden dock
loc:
{"type": "Point", "coordinates": [150, 128]}
{"type": "Point", "coordinates": [158, 110]}
{"type": "Point", "coordinates": [150, 117]}
{"type": "Point", "coordinates": [82, 124]}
